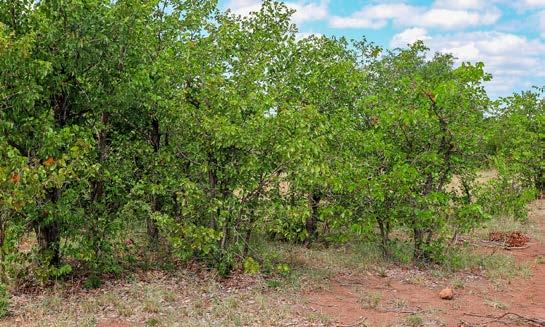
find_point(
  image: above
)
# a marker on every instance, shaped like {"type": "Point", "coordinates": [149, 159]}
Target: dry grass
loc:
{"type": "Point", "coordinates": [156, 299]}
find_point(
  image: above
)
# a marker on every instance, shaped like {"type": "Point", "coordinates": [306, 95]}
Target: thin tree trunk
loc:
{"type": "Point", "coordinates": [467, 191]}
{"type": "Point", "coordinates": [153, 231]}
{"type": "Point", "coordinates": [48, 235]}
{"type": "Point", "coordinates": [385, 237]}
{"type": "Point", "coordinates": [47, 230]}
{"type": "Point", "coordinates": [98, 185]}
{"type": "Point", "coordinates": [213, 182]}
{"type": "Point", "coordinates": [247, 239]}
{"type": "Point", "coordinates": [156, 205]}
{"type": "Point", "coordinates": [418, 242]}
{"type": "Point", "coordinates": [312, 221]}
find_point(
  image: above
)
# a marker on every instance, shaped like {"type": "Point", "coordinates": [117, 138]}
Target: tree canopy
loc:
{"type": "Point", "coordinates": [197, 132]}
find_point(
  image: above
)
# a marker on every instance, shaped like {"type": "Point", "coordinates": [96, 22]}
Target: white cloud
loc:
{"type": "Point", "coordinates": [309, 11]}
{"type": "Point", "coordinates": [440, 16]}
{"type": "Point", "coordinates": [510, 58]}
{"type": "Point", "coordinates": [462, 4]}
{"type": "Point", "coordinates": [452, 19]}
{"type": "Point", "coordinates": [373, 16]}
{"type": "Point", "coordinates": [530, 4]}
{"type": "Point", "coordinates": [409, 36]}
{"type": "Point", "coordinates": [243, 7]}
{"type": "Point", "coordinates": [304, 10]}
{"type": "Point", "coordinates": [356, 22]}
{"type": "Point", "coordinates": [467, 52]}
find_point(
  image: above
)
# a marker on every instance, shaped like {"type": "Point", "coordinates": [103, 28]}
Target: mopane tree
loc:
{"type": "Point", "coordinates": [21, 177]}
{"type": "Point", "coordinates": [70, 110]}
{"type": "Point", "coordinates": [515, 136]}
{"type": "Point", "coordinates": [48, 128]}
{"type": "Point", "coordinates": [225, 134]}
{"type": "Point", "coordinates": [424, 116]}
{"type": "Point", "coordinates": [322, 86]}
{"type": "Point", "coordinates": [161, 49]}
{"type": "Point", "coordinates": [522, 119]}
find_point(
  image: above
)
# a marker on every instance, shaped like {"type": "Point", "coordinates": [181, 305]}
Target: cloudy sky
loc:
{"type": "Point", "coordinates": [508, 35]}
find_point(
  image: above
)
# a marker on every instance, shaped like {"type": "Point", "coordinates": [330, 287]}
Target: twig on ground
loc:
{"type": "Point", "coordinates": [323, 305]}
{"type": "Point", "coordinates": [359, 322]}
{"type": "Point", "coordinates": [532, 321]}
{"type": "Point", "coordinates": [413, 312]}
{"type": "Point", "coordinates": [517, 247]}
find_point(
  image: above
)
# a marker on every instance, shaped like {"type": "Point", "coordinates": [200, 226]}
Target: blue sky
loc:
{"type": "Point", "coordinates": [507, 35]}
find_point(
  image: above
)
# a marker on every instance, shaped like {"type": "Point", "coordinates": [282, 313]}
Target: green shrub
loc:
{"type": "Point", "coordinates": [4, 300]}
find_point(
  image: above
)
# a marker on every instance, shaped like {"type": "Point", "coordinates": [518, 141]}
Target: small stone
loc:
{"type": "Point", "coordinates": [446, 294]}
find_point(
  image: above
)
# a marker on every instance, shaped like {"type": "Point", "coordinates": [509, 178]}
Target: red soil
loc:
{"type": "Point", "coordinates": [478, 303]}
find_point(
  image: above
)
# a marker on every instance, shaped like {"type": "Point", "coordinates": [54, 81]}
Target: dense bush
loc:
{"type": "Point", "coordinates": [521, 129]}
{"type": "Point", "coordinates": [202, 131]}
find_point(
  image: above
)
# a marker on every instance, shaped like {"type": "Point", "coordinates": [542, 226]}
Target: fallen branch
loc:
{"type": "Point", "coordinates": [497, 245]}
{"type": "Point", "coordinates": [484, 324]}
{"type": "Point", "coordinates": [531, 321]}
{"type": "Point", "coordinates": [359, 322]}
{"type": "Point", "coordinates": [323, 305]}
{"type": "Point", "coordinates": [413, 312]}
{"type": "Point", "coordinates": [517, 247]}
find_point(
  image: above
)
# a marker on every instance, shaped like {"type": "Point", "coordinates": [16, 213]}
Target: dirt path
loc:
{"type": "Point", "coordinates": [410, 297]}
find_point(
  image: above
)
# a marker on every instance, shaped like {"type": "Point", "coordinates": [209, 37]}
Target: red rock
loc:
{"type": "Point", "coordinates": [446, 294]}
